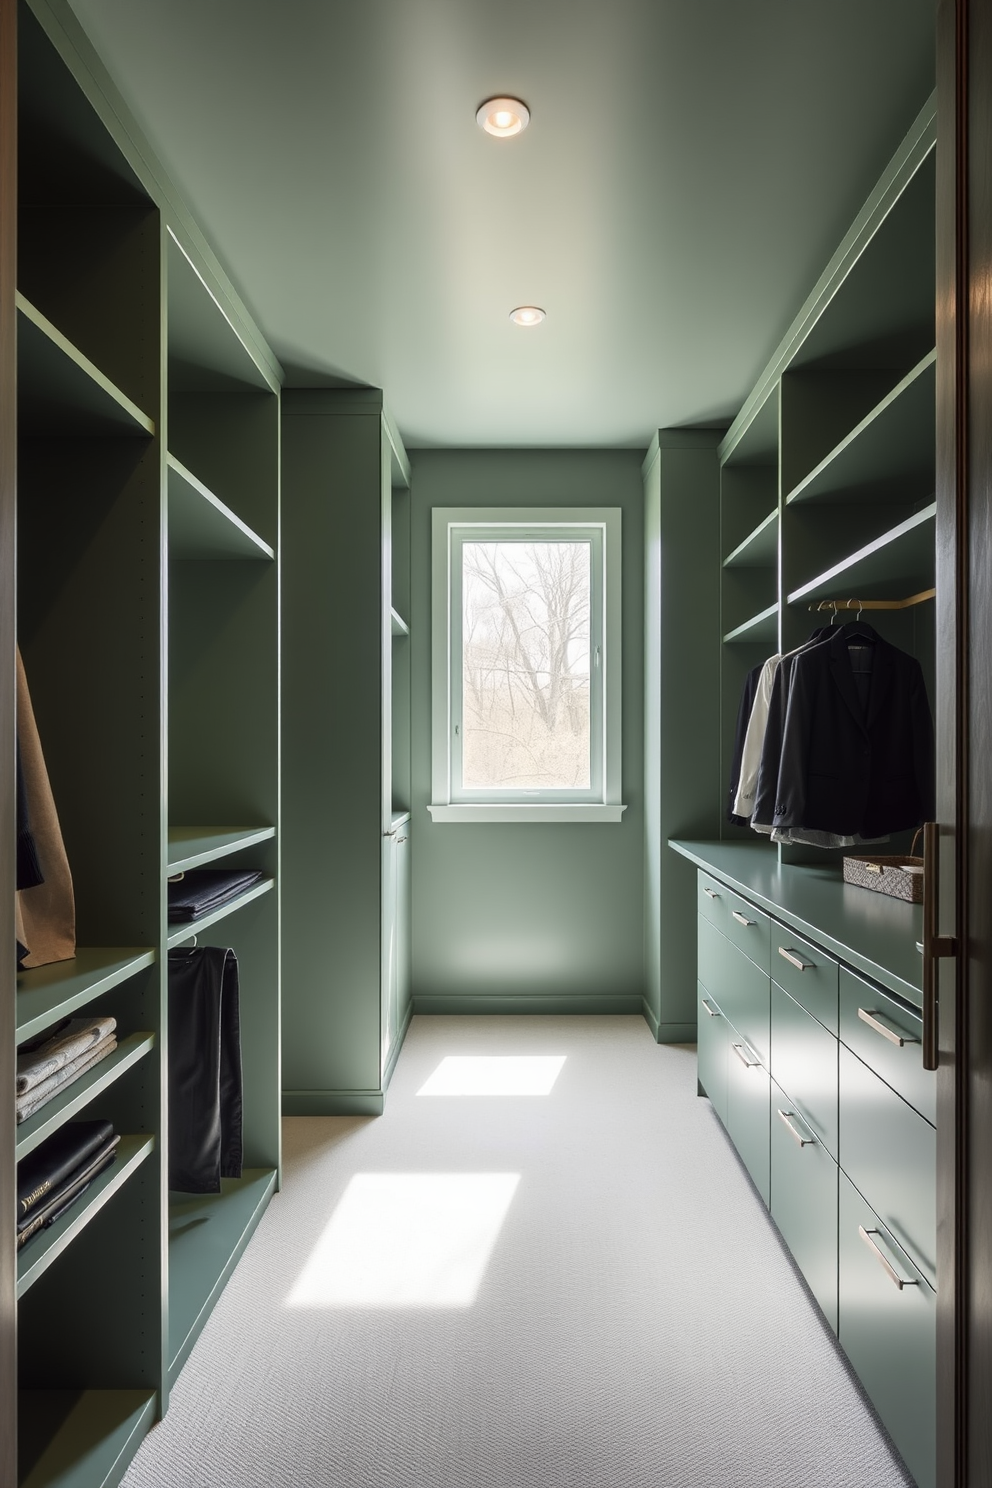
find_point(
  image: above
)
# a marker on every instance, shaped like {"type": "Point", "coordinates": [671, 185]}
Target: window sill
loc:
{"type": "Point", "coordinates": [574, 811]}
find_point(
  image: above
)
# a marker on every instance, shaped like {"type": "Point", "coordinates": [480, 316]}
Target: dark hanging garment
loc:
{"type": "Point", "coordinates": [743, 719]}
{"type": "Point", "coordinates": [29, 874]}
{"type": "Point", "coordinates": [857, 752]}
{"type": "Point", "coordinates": [205, 1100]}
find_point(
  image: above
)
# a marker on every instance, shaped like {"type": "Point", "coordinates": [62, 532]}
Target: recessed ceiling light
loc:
{"type": "Point", "coordinates": [503, 117]}
{"type": "Point", "coordinates": [527, 315]}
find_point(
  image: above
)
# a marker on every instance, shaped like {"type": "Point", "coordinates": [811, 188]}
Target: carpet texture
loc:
{"type": "Point", "coordinates": [636, 1322]}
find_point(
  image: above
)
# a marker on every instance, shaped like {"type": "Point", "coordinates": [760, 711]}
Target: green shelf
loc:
{"type": "Point", "coordinates": [180, 933]}
{"type": "Point", "coordinates": [752, 438]}
{"type": "Point", "coordinates": [760, 548]}
{"type": "Point", "coordinates": [81, 1438]}
{"type": "Point", "coordinates": [399, 625]}
{"type": "Point", "coordinates": [207, 352]}
{"type": "Point", "coordinates": [201, 526]}
{"type": "Point", "coordinates": [39, 1253]}
{"type": "Point", "coordinates": [60, 391]}
{"type": "Point", "coordinates": [889, 453]}
{"type": "Point", "coordinates": [48, 993]}
{"type": "Point", "coordinates": [207, 1235]}
{"type": "Point", "coordinates": [71, 1099]}
{"type": "Point", "coordinates": [904, 554]}
{"type": "Point", "coordinates": [760, 627]}
{"type": "Point", "coordinates": [193, 847]}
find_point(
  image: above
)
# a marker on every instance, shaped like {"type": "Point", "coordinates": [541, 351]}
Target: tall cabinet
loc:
{"type": "Point", "coordinates": [810, 1004]}
{"type": "Point", "coordinates": [140, 533]}
{"type": "Point", "coordinates": [346, 708]}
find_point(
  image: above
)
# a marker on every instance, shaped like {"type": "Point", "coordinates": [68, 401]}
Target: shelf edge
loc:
{"type": "Point", "coordinates": [79, 359]}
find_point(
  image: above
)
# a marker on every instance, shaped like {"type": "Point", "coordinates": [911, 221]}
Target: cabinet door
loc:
{"type": "Point", "coordinates": [888, 1036]}
{"type": "Point", "coordinates": [401, 960]}
{"type": "Point", "coordinates": [890, 1153]}
{"type": "Point", "coordinates": [804, 1199]}
{"type": "Point", "coordinates": [747, 1110]}
{"type": "Point", "coordinates": [739, 987]}
{"type": "Point", "coordinates": [886, 1326]}
{"type": "Point", "coordinates": [807, 974]}
{"type": "Point", "coordinates": [711, 1051]}
{"type": "Point", "coordinates": [387, 970]}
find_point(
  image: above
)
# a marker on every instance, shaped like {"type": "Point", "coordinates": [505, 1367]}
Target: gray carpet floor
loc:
{"type": "Point", "coordinates": [576, 1289]}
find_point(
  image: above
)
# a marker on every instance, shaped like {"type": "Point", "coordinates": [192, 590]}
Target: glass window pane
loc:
{"type": "Point", "coordinates": [525, 665]}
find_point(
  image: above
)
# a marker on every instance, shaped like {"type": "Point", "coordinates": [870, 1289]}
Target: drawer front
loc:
{"type": "Point", "coordinates": [804, 1063]}
{"type": "Point", "coordinates": [806, 972]}
{"type": "Point", "coordinates": [889, 1334]}
{"type": "Point", "coordinates": [876, 1042]}
{"type": "Point", "coordinates": [804, 1200]}
{"type": "Point", "coordinates": [712, 1048]}
{"type": "Point", "coordinates": [747, 1110]}
{"type": "Point", "coordinates": [740, 988]}
{"type": "Point", "coordinates": [739, 921]}
{"type": "Point", "coordinates": [889, 1152]}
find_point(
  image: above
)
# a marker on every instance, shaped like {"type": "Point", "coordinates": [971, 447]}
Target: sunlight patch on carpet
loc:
{"type": "Point", "coordinates": [508, 1074]}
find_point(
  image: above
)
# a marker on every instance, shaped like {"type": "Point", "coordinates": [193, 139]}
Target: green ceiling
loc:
{"type": "Point", "coordinates": [689, 168]}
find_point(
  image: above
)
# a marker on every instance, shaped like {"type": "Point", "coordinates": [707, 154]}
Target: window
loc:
{"type": "Point", "coordinates": [526, 665]}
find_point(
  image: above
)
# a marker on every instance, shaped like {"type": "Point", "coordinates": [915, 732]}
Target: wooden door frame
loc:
{"type": "Point", "coordinates": [964, 727]}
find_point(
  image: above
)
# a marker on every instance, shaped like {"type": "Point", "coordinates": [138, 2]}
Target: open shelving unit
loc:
{"type": "Point", "coordinates": [147, 423]}
{"type": "Point", "coordinates": [827, 473]}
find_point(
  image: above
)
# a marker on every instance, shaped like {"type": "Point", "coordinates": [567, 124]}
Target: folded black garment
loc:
{"type": "Point", "coordinates": [71, 1190]}
{"type": "Point", "coordinates": [40, 1174]}
{"type": "Point", "coordinates": [204, 889]}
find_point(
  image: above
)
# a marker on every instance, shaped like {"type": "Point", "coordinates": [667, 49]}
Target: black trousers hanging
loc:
{"type": "Point", "coordinates": [205, 1101]}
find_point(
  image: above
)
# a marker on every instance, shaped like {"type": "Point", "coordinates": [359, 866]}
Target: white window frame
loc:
{"type": "Point", "coordinates": [453, 525]}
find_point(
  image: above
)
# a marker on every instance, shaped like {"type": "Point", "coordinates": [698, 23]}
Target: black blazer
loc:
{"type": "Point", "coordinates": [849, 769]}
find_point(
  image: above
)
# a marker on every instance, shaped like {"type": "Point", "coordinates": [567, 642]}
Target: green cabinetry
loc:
{"type": "Point", "coordinates": [346, 773]}
{"type": "Point", "coordinates": [712, 1051]}
{"type": "Point", "coordinates": [804, 1199]}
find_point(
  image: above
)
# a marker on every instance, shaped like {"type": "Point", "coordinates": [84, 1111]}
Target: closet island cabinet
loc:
{"type": "Point", "coordinates": [139, 531]}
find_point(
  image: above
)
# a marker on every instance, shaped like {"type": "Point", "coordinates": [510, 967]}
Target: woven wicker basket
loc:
{"type": "Point", "coordinates": [902, 878]}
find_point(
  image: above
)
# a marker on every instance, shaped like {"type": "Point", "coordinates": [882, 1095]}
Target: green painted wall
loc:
{"type": "Point", "coordinates": [521, 917]}
{"type": "Point", "coordinates": [684, 791]}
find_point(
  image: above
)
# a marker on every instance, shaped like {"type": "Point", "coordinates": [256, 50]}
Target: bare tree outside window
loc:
{"type": "Point", "coordinates": [525, 665]}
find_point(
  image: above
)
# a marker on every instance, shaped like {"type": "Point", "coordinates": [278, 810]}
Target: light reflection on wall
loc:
{"type": "Point", "coordinates": [407, 1240]}
{"type": "Point", "coordinates": [508, 1074]}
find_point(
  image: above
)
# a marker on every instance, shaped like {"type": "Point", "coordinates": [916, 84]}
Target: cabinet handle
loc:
{"type": "Point", "coordinates": [392, 833]}
{"type": "Point", "coordinates": [887, 1267]}
{"type": "Point", "coordinates": [788, 1117]}
{"type": "Point", "coordinates": [711, 892]}
{"type": "Point", "coordinates": [399, 840]}
{"type": "Point", "coordinates": [796, 961]}
{"type": "Point", "coordinates": [714, 1012]}
{"type": "Point", "coordinates": [871, 1018]}
{"type": "Point", "coordinates": [748, 1063]}
{"type": "Point", "coordinates": [935, 945]}
{"type": "Point", "coordinates": [742, 919]}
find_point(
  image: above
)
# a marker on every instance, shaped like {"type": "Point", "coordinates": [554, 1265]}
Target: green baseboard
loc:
{"type": "Point", "coordinates": [332, 1102]}
{"type": "Point", "coordinates": [650, 1017]}
{"type": "Point", "coordinates": [525, 1002]}
{"type": "Point", "coordinates": [676, 1033]}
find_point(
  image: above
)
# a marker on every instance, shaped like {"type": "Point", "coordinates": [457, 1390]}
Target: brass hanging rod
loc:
{"type": "Point", "coordinates": [874, 604]}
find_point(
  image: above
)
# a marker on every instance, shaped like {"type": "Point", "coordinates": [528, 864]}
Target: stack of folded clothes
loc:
{"type": "Point", "coordinates": [59, 1056]}
{"type": "Point", "coordinates": [52, 1177]}
{"type": "Point", "coordinates": [202, 890]}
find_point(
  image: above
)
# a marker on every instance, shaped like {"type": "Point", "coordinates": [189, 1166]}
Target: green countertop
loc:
{"type": "Point", "coordinates": [871, 933]}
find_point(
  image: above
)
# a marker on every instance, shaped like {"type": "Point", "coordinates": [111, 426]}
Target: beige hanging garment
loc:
{"type": "Point", "coordinates": [45, 915]}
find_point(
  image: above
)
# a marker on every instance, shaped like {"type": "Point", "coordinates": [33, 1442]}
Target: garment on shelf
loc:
{"type": "Point", "coordinates": [846, 752]}
{"type": "Point", "coordinates": [45, 912]}
{"type": "Point", "coordinates": [62, 1196]}
{"type": "Point", "coordinates": [72, 1147]}
{"type": "Point", "coordinates": [56, 1047]}
{"type": "Point", "coordinates": [205, 1088]}
{"type": "Point", "coordinates": [202, 890]}
{"type": "Point", "coordinates": [39, 1095]}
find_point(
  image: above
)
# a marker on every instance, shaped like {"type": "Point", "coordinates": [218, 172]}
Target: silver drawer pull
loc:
{"type": "Point", "coordinates": [739, 1050]}
{"type": "Point", "coordinates": [887, 1267]}
{"type": "Point", "coordinates": [788, 1117]}
{"type": "Point", "coordinates": [742, 919]}
{"type": "Point", "coordinates": [871, 1018]}
{"type": "Point", "coordinates": [796, 961]}
{"type": "Point", "coordinates": [714, 1012]}
{"type": "Point", "coordinates": [711, 892]}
